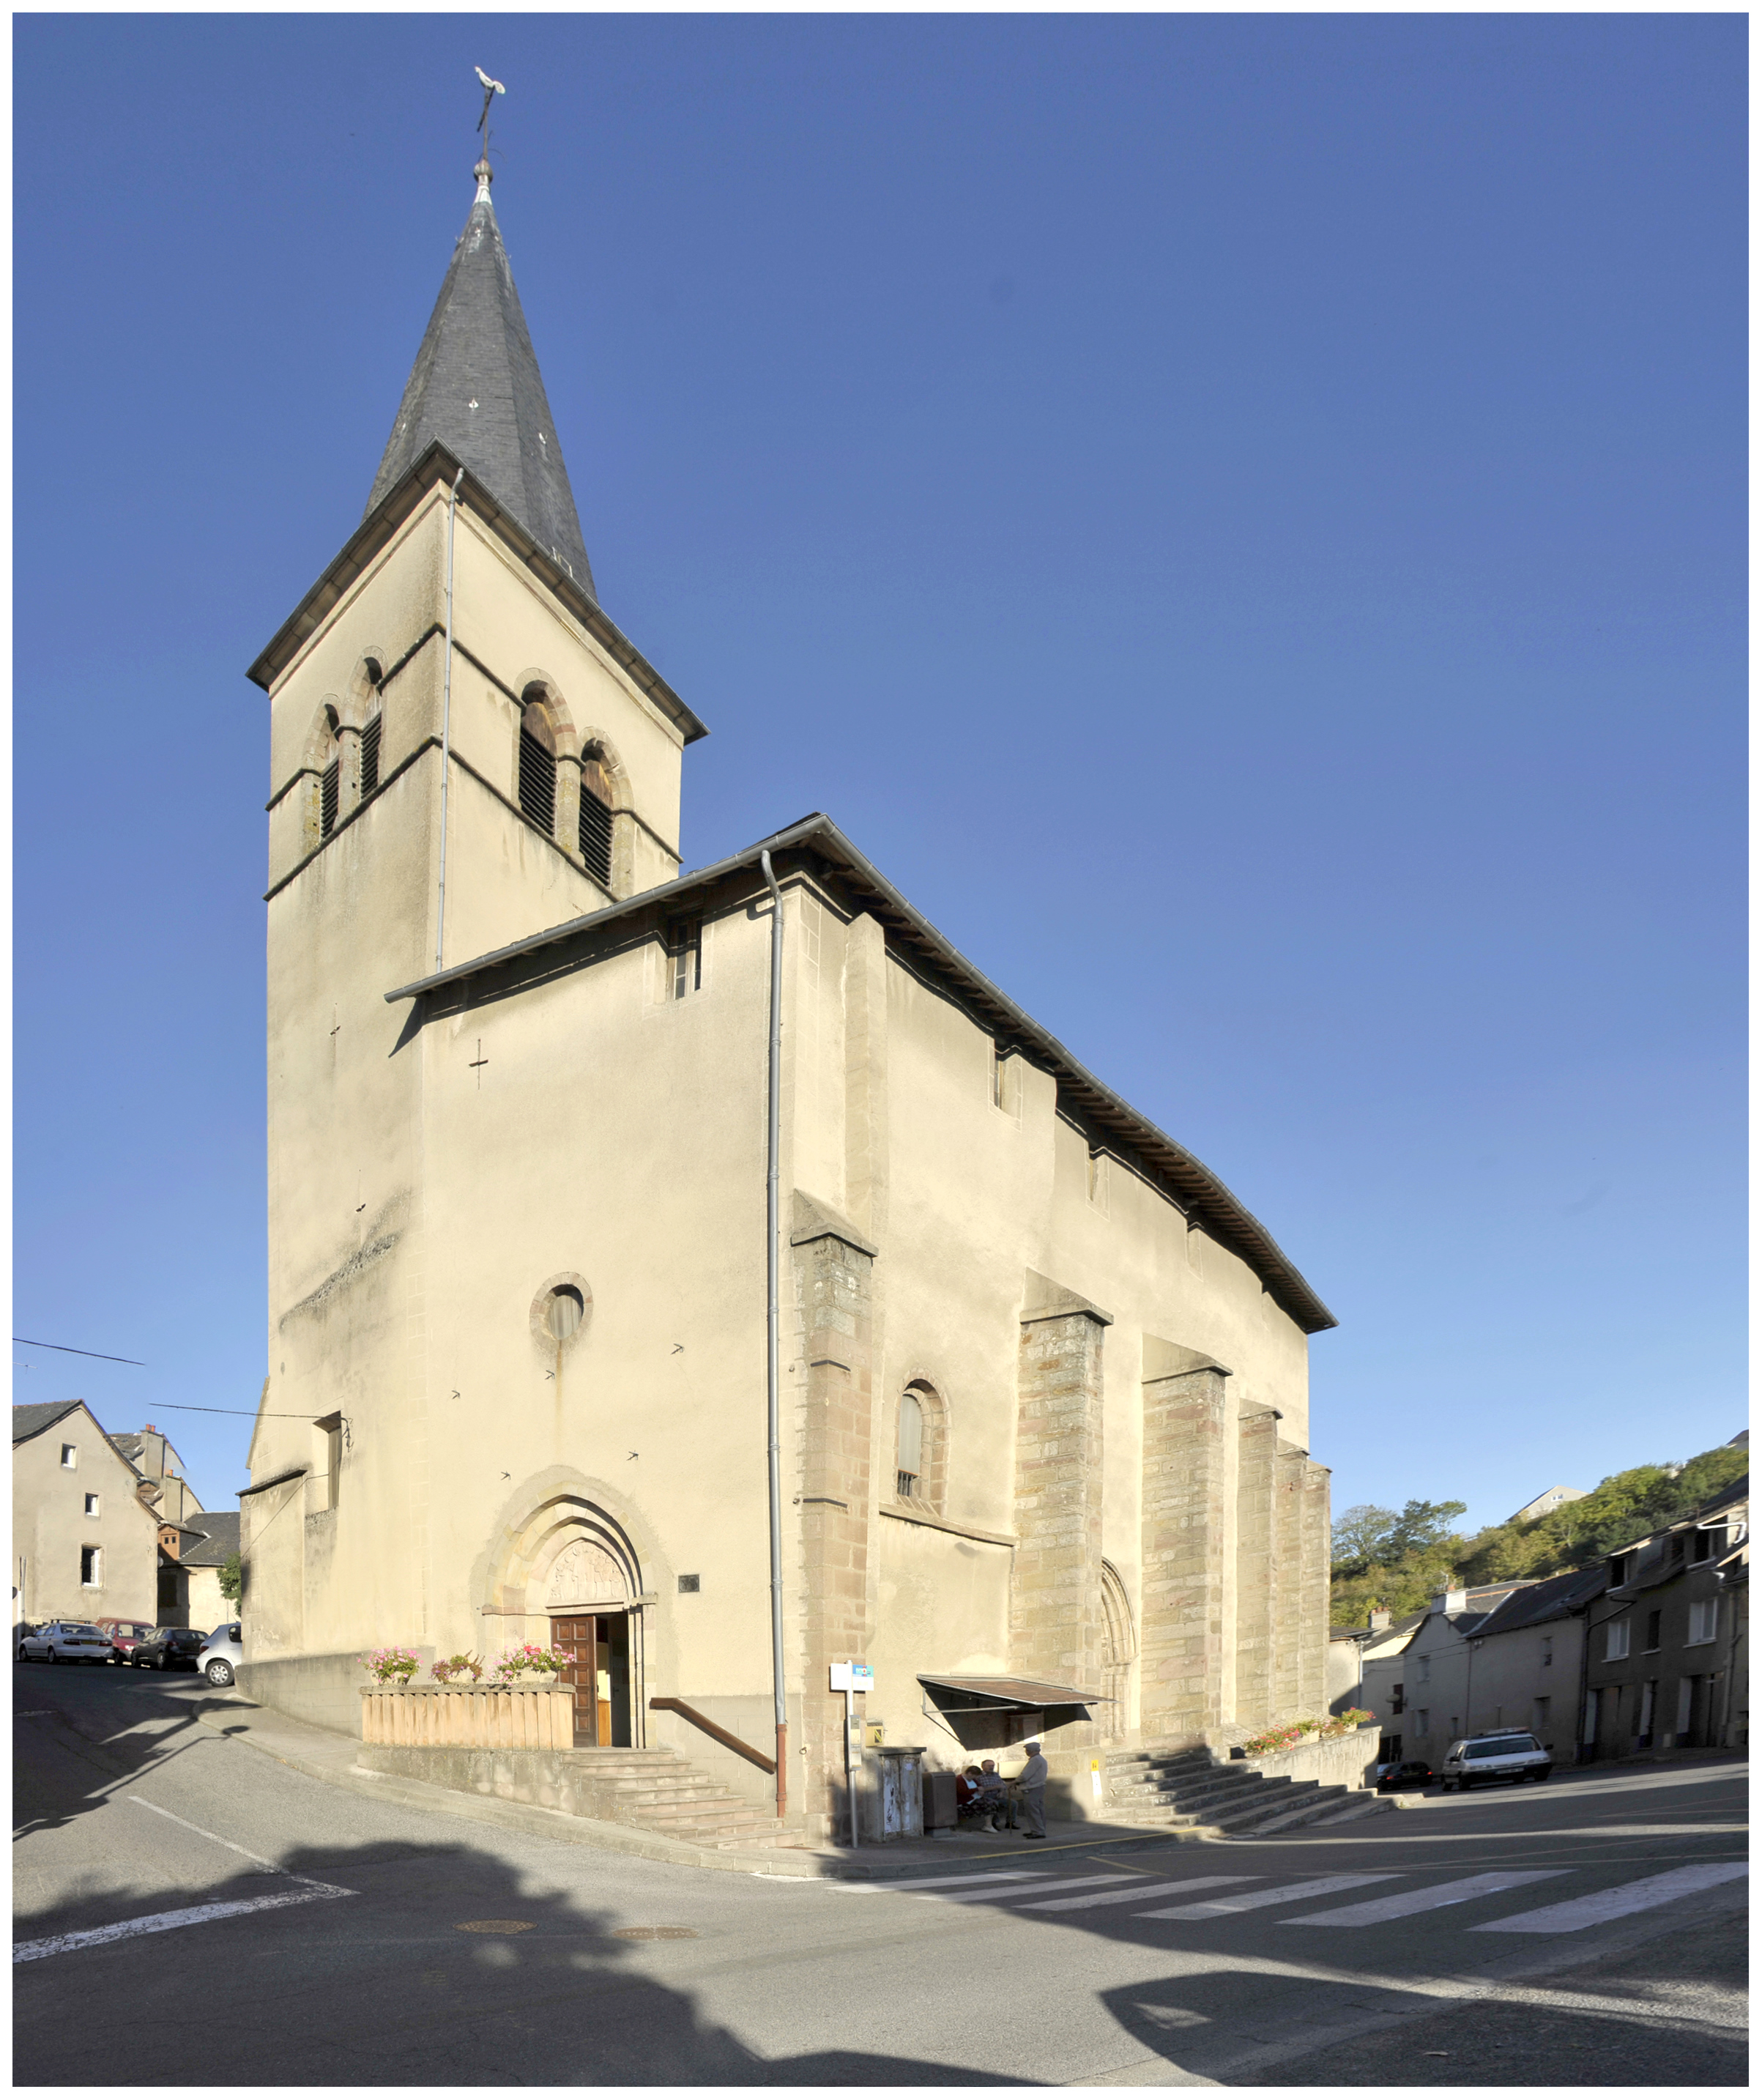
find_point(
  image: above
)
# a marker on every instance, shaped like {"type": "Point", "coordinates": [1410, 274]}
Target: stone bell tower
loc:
{"type": "Point", "coordinates": [464, 750]}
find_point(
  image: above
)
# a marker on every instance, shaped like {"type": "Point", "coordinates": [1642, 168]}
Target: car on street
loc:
{"type": "Point", "coordinates": [126, 1635]}
{"type": "Point", "coordinates": [221, 1654]}
{"type": "Point", "coordinates": [1478, 1760]}
{"type": "Point", "coordinates": [169, 1647]}
{"type": "Point", "coordinates": [1403, 1778]}
{"type": "Point", "coordinates": [67, 1640]}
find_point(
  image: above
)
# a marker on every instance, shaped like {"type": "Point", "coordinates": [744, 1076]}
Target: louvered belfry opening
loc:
{"type": "Point", "coordinates": [538, 770]}
{"type": "Point", "coordinates": [370, 758]}
{"type": "Point", "coordinates": [328, 789]}
{"type": "Point", "coordinates": [596, 830]}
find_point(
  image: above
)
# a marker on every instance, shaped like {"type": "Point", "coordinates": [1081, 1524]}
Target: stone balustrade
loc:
{"type": "Point", "coordinates": [491, 1717]}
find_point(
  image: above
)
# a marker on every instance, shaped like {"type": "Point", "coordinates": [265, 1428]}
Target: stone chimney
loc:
{"type": "Point", "coordinates": [1450, 1600]}
{"type": "Point", "coordinates": [1379, 1620]}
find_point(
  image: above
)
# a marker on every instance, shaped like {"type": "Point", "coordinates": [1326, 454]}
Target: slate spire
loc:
{"type": "Point", "coordinates": [475, 387]}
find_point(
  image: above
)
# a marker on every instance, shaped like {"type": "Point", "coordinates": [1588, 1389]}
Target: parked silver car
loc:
{"type": "Point", "coordinates": [221, 1654]}
{"type": "Point", "coordinates": [1477, 1760]}
{"type": "Point", "coordinates": [67, 1640]}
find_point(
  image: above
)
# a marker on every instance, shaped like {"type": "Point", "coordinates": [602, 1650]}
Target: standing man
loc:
{"type": "Point", "coordinates": [1031, 1779]}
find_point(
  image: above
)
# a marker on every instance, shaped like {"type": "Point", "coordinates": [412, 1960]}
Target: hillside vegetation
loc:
{"type": "Point", "coordinates": [1401, 1558]}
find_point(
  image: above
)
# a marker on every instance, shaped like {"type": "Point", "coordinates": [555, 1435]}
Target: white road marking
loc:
{"type": "Point", "coordinates": [1435, 1898]}
{"type": "Point", "coordinates": [256, 1859]}
{"type": "Point", "coordinates": [1137, 1895]}
{"type": "Point", "coordinates": [168, 1921]}
{"type": "Point", "coordinates": [984, 1896]}
{"type": "Point", "coordinates": [1254, 1899]}
{"type": "Point", "coordinates": [935, 1881]}
{"type": "Point", "coordinates": [1574, 1915]}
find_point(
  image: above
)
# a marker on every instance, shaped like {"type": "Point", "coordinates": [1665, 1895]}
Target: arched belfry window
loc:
{"type": "Point", "coordinates": [330, 779]}
{"type": "Point", "coordinates": [370, 732]}
{"type": "Point", "coordinates": [596, 827]}
{"type": "Point", "coordinates": [538, 766]}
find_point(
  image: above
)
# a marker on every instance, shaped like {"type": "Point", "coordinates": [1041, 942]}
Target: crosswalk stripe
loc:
{"type": "Point", "coordinates": [1578, 1911]}
{"type": "Point", "coordinates": [1256, 1899]}
{"type": "Point", "coordinates": [1435, 1898]}
{"type": "Point", "coordinates": [169, 1921]}
{"type": "Point", "coordinates": [1003, 1895]}
{"type": "Point", "coordinates": [1137, 1895]}
{"type": "Point", "coordinates": [936, 1881]}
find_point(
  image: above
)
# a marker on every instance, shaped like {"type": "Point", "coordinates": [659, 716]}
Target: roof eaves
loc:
{"type": "Point", "coordinates": [436, 464]}
{"type": "Point", "coordinates": [1203, 1194]}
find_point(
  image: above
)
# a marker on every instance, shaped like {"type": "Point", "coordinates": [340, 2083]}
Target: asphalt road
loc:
{"type": "Point", "coordinates": [188, 1911]}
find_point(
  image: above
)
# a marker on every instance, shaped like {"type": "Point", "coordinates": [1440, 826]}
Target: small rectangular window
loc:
{"type": "Point", "coordinates": [1654, 1622]}
{"type": "Point", "coordinates": [90, 1568]}
{"type": "Point", "coordinates": [1422, 1721]}
{"type": "Point", "coordinates": [689, 1585]}
{"type": "Point", "coordinates": [538, 783]}
{"type": "Point", "coordinates": [1538, 1712]}
{"type": "Point", "coordinates": [684, 958]}
{"type": "Point", "coordinates": [1615, 1640]}
{"type": "Point", "coordinates": [1700, 1545]}
{"type": "Point", "coordinates": [70, 1456]}
{"type": "Point", "coordinates": [1548, 1652]}
{"type": "Point", "coordinates": [1423, 1671]}
{"type": "Point", "coordinates": [1704, 1621]}
{"type": "Point", "coordinates": [92, 1505]}
{"type": "Point", "coordinates": [595, 832]}
{"type": "Point", "coordinates": [370, 758]}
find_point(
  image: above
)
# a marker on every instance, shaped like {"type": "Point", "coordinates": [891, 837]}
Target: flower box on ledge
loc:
{"type": "Point", "coordinates": [532, 1712]}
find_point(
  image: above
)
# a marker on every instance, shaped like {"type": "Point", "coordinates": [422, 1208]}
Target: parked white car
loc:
{"type": "Point", "coordinates": [221, 1654]}
{"type": "Point", "coordinates": [67, 1640]}
{"type": "Point", "coordinates": [1478, 1759]}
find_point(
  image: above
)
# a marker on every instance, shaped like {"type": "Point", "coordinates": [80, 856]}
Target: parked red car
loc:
{"type": "Point", "coordinates": [124, 1634]}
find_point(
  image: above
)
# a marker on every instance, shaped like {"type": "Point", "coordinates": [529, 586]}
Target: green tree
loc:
{"type": "Point", "coordinates": [232, 1578]}
{"type": "Point", "coordinates": [1359, 1534]}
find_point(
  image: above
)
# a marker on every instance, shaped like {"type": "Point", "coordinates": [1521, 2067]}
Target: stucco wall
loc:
{"type": "Point", "coordinates": [49, 1528]}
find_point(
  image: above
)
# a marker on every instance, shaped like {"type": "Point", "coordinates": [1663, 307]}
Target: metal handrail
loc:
{"type": "Point", "coordinates": [710, 1728]}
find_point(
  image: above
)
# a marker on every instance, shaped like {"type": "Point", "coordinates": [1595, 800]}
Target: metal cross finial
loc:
{"type": "Point", "coordinates": [492, 89]}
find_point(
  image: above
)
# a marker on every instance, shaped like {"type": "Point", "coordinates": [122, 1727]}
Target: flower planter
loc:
{"type": "Point", "coordinates": [536, 1715]}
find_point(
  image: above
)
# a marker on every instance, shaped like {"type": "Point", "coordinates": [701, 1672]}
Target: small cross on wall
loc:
{"type": "Point", "coordinates": [477, 1063]}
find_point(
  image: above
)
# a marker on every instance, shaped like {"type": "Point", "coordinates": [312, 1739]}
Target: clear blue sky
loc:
{"type": "Point", "coordinates": [1242, 518]}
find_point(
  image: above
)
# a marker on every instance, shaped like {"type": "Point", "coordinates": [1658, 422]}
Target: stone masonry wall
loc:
{"type": "Point", "coordinates": [1313, 1585]}
{"type": "Point", "coordinates": [1055, 1605]}
{"type": "Point", "coordinates": [833, 1295]}
{"type": "Point", "coordinates": [1257, 1436]}
{"type": "Point", "coordinates": [1289, 1465]}
{"type": "Point", "coordinates": [1186, 1422]}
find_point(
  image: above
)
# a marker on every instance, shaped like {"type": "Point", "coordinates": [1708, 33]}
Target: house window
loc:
{"type": "Point", "coordinates": [1397, 1698]}
{"type": "Point", "coordinates": [1538, 1712]}
{"type": "Point", "coordinates": [1618, 1569]}
{"type": "Point", "coordinates": [1423, 1669]}
{"type": "Point", "coordinates": [1704, 1621]}
{"type": "Point", "coordinates": [911, 1446]}
{"type": "Point", "coordinates": [1684, 1705]}
{"type": "Point", "coordinates": [1700, 1545]}
{"type": "Point", "coordinates": [595, 829]}
{"type": "Point", "coordinates": [682, 959]}
{"type": "Point", "coordinates": [70, 1456]}
{"type": "Point", "coordinates": [538, 767]}
{"type": "Point", "coordinates": [1422, 1721]}
{"type": "Point", "coordinates": [1615, 1640]}
{"type": "Point", "coordinates": [330, 779]}
{"type": "Point", "coordinates": [1548, 1652]}
{"type": "Point", "coordinates": [91, 1568]}
{"type": "Point", "coordinates": [1655, 1621]}
{"type": "Point", "coordinates": [1648, 1707]}
{"type": "Point", "coordinates": [92, 1505]}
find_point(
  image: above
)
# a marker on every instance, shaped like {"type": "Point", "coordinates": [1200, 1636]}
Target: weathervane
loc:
{"type": "Point", "coordinates": [492, 89]}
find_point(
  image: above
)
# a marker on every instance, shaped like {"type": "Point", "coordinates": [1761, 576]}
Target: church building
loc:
{"type": "Point", "coordinates": [711, 1274]}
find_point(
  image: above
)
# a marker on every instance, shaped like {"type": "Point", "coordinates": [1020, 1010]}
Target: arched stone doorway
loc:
{"type": "Point", "coordinates": [569, 1579]}
{"type": "Point", "coordinates": [1119, 1650]}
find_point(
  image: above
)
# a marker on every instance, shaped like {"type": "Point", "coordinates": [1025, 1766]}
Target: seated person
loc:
{"type": "Point", "coordinates": [996, 1807]}
{"type": "Point", "coordinates": [966, 1791]}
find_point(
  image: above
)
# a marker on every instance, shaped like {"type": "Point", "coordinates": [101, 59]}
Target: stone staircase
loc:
{"type": "Point", "coordinates": [659, 1790]}
{"type": "Point", "coordinates": [1190, 1789]}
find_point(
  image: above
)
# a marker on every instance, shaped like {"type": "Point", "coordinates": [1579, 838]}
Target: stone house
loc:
{"type": "Point", "coordinates": [214, 1539]}
{"type": "Point", "coordinates": [84, 1541]}
{"type": "Point", "coordinates": [1667, 1666]}
{"type": "Point", "coordinates": [1526, 1658]}
{"type": "Point", "coordinates": [538, 1179]}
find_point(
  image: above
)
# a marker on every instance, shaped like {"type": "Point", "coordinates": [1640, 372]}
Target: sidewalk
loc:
{"type": "Point", "coordinates": [323, 1755]}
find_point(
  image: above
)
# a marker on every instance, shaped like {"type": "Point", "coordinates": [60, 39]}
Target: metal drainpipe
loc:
{"type": "Point", "coordinates": [446, 718]}
{"type": "Point", "coordinates": [774, 1454]}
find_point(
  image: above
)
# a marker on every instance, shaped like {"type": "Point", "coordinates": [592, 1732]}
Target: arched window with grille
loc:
{"type": "Point", "coordinates": [910, 1455]}
{"type": "Point", "coordinates": [596, 823]}
{"type": "Point", "coordinates": [538, 766]}
{"type": "Point", "coordinates": [370, 677]}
